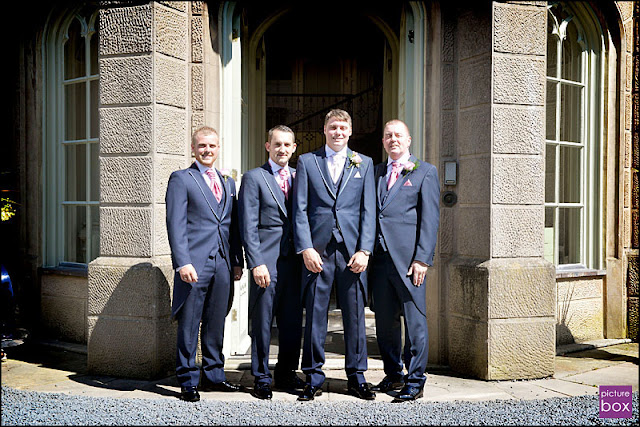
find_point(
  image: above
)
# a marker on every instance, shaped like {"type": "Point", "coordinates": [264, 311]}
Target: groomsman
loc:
{"type": "Point", "coordinates": [334, 230]}
{"type": "Point", "coordinates": [206, 251]}
{"type": "Point", "coordinates": [408, 194]}
{"type": "Point", "coordinates": [267, 235]}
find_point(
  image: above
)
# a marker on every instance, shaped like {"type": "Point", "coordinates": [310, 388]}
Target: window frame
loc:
{"type": "Point", "coordinates": [54, 143]}
{"type": "Point", "coordinates": [593, 58]}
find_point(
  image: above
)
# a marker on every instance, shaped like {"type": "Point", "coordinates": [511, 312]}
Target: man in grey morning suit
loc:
{"type": "Point", "coordinates": [408, 213]}
{"type": "Point", "coordinates": [202, 225]}
{"type": "Point", "coordinates": [264, 205]}
{"type": "Point", "coordinates": [334, 229]}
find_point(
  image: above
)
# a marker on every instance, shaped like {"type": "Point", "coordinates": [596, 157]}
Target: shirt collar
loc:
{"type": "Point", "coordinates": [330, 152]}
{"type": "Point", "coordinates": [402, 160]}
{"type": "Point", "coordinates": [275, 168]}
{"type": "Point", "coordinates": [202, 168]}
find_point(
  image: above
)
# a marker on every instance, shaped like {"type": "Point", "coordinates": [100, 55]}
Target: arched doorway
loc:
{"type": "Point", "coordinates": [303, 60]}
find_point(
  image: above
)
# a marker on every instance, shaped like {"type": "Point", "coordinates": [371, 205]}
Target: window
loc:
{"type": "Point", "coordinates": [71, 184]}
{"type": "Point", "coordinates": [573, 128]}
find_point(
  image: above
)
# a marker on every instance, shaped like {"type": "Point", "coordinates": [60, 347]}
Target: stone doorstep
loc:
{"type": "Point", "coordinates": [561, 350]}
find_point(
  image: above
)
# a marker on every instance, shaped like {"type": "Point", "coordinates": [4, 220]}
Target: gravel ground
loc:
{"type": "Point", "coordinates": [35, 408]}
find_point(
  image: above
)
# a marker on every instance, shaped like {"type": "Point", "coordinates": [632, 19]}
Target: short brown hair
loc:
{"type": "Point", "coordinates": [281, 128]}
{"type": "Point", "coordinates": [337, 114]}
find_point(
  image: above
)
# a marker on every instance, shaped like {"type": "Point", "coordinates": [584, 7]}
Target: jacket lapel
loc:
{"type": "Point", "coordinates": [399, 183]}
{"type": "Point", "coordinates": [207, 194]}
{"type": "Point", "coordinates": [381, 171]}
{"type": "Point", "coordinates": [321, 162]}
{"type": "Point", "coordinates": [274, 188]}
{"type": "Point", "coordinates": [227, 193]}
{"type": "Point", "coordinates": [347, 170]}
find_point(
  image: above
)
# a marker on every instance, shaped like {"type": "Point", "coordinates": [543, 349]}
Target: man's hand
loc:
{"type": "Point", "coordinates": [419, 271]}
{"type": "Point", "coordinates": [358, 262]}
{"type": "Point", "coordinates": [237, 273]}
{"type": "Point", "coordinates": [312, 260]}
{"type": "Point", "coordinates": [261, 276]}
{"type": "Point", "coordinates": [188, 274]}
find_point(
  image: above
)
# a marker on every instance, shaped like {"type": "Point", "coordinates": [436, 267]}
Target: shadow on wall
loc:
{"type": "Point", "coordinates": [131, 333]}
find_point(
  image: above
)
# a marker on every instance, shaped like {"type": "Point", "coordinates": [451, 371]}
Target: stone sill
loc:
{"type": "Point", "coordinates": [573, 273]}
{"type": "Point", "coordinates": [66, 270]}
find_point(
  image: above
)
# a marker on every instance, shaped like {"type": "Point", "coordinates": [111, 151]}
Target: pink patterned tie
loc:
{"type": "Point", "coordinates": [284, 182]}
{"type": "Point", "coordinates": [215, 185]}
{"type": "Point", "coordinates": [395, 172]}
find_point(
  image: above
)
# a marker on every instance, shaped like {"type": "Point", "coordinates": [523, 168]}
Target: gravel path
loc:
{"type": "Point", "coordinates": [36, 408]}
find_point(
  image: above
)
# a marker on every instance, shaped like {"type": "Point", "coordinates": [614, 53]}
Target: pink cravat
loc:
{"type": "Point", "coordinates": [215, 185]}
{"type": "Point", "coordinates": [395, 172]}
{"type": "Point", "coordinates": [284, 182]}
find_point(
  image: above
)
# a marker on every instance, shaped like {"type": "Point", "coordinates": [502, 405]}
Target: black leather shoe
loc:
{"type": "Point", "coordinates": [262, 391]}
{"type": "Point", "coordinates": [362, 390]}
{"type": "Point", "coordinates": [309, 392]}
{"type": "Point", "coordinates": [408, 393]}
{"type": "Point", "coordinates": [289, 381]}
{"type": "Point", "coordinates": [387, 384]}
{"type": "Point", "coordinates": [223, 386]}
{"type": "Point", "coordinates": [190, 394]}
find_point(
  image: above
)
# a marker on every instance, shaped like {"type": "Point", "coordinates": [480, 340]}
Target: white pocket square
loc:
{"type": "Point", "coordinates": [357, 175]}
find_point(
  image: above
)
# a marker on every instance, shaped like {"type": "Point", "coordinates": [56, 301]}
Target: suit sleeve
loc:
{"type": "Point", "coordinates": [177, 200]}
{"type": "Point", "coordinates": [301, 231]}
{"type": "Point", "coordinates": [248, 210]}
{"type": "Point", "coordinates": [366, 239]}
{"type": "Point", "coordinates": [429, 217]}
{"type": "Point", "coordinates": [235, 243]}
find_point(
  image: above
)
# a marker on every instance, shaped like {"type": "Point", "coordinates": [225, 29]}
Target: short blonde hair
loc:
{"type": "Point", "coordinates": [203, 131]}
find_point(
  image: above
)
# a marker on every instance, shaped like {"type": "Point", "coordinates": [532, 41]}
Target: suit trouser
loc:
{"type": "Point", "coordinates": [391, 299]}
{"type": "Point", "coordinates": [351, 301]}
{"type": "Point", "coordinates": [207, 302]}
{"type": "Point", "coordinates": [282, 300]}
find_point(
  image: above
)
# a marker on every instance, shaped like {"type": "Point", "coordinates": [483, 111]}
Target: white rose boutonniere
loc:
{"type": "Point", "coordinates": [226, 173]}
{"type": "Point", "coordinates": [355, 159]}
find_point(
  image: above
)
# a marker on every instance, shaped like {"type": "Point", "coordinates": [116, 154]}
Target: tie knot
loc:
{"type": "Point", "coordinates": [284, 173]}
{"type": "Point", "coordinates": [395, 166]}
{"type": "Point", "coordinates": [211, 173]}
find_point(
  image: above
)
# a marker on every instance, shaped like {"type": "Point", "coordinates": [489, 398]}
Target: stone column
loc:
{"type": "Point", "coordinates": [502, 292]}
{"type": "Point", "coordinates": [144, 57]}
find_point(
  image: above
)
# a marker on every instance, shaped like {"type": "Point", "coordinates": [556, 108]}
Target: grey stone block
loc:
{"type": "Point", "coordinates": [125, 232]}
{"type": "Point", "coordinates": [170, 81]}
{"type": "Point", "coordinates": [474, 175]}
{"type": "Point", "coordinates": [126, 80]}
{"type": "Point", "coordinates": [518, 180]}
{"type": "Point", "coordinates": [473, 232]}
{"type": "Point", "coordinates": [522, 349]}
{"type": "Point", "coordinates": [64, 317]}
{"type": "Point", "coordinates": [171, 32]}
{"type": "Point", "coordinates": [126, 130]}
{"type": "Point", "coordinates": [171, 130]}
{"type": "Point", "coordinates": [474, 130]}
{"type": "Point", "coordinates": [130, 348]}
{"type": "Point", "coordinates": [519, 29]}
{"type": "Point", "coordinates": [517, 232]}
{"type": "Point", "coordinates": [474, 33]}
{"type": "Point", "coordinates": [125, 30]}
{"type": "Point", "coordinates": [519, 80]}
{"type": "Point", "coordinates": [474, 82]}
{"type": "Point", "coordinates": [126, 180]}
{"type": "Point", "coordinates": [521, 288]}
{"type": "Point", "coordinates": [518, 130]}
{"type": "Point", "coordinates": [128, 287]}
